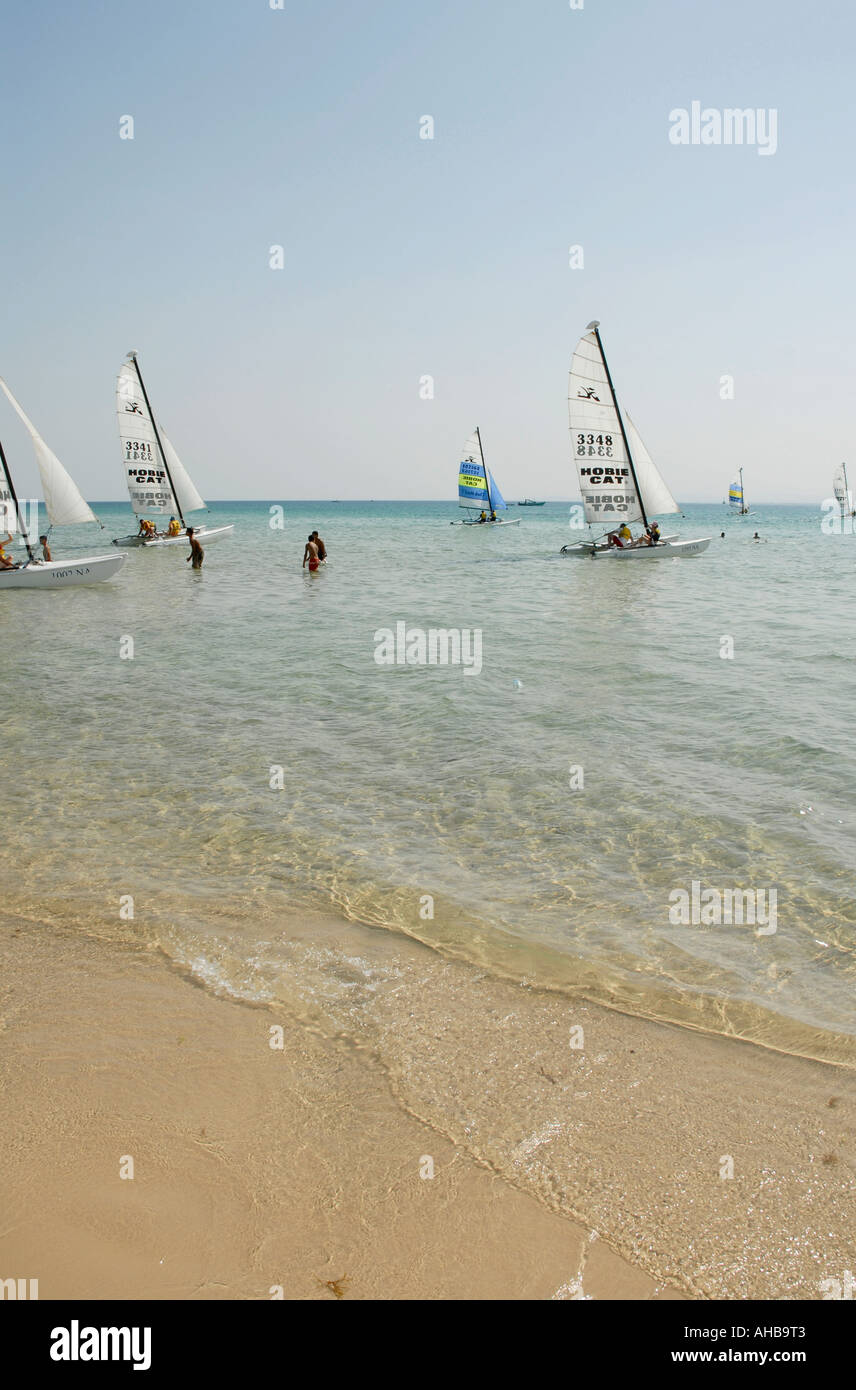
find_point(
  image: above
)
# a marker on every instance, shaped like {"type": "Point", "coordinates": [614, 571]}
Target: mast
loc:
{"type": "Point", "coordinates": [596, 326]}
{"type": "Point", "coordinates": [22, 528]}
{"type": "Point", "coordinates": [484, 470]}
{"type": "Point", "coordinates": [133, 357]}
{"type": "Point", "coordinates": [848, 504]}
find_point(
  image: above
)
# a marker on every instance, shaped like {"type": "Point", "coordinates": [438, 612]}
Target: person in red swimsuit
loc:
{"type": "Point", "coordinates": [310, 554]}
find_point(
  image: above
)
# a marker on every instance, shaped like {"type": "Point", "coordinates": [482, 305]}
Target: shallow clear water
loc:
{"type": "Point", "coordinates": [151, 776]}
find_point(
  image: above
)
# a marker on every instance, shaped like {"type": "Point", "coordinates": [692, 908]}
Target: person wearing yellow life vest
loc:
{"type": "Point", "coordinates": [174, 528]}
{"type": "Point", "coordinates": [6, 561]}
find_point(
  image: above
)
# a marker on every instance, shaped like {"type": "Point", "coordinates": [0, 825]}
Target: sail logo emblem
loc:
{"type": "Point", "coordinates": [588, 394]}
{"type": "Point", "coordinates": [133, 409]}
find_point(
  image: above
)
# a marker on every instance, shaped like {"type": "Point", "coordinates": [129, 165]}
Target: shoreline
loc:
{"type": "Point", "coordinates": [560, 1171]}
{"type": "Point", "coordinates": [254, 1168]}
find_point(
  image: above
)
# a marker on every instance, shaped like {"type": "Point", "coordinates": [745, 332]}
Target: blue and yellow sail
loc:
{"type": "Point", "coordinates": [477, 489]}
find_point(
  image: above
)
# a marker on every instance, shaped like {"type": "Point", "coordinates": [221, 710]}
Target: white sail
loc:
{"type": "Point", "coordinates": [147, 478]}
{"type": "Point", "coordinates": [188, 498]}
{"type": "Point", "coordinates": [473, 489]}
{"type": "Point", "coordinates": [64, 502]}
{"type": "Point", "coordinates": [606, 479]}
{"type": "Point", "coordinates": [606, 483]}
{"type": "Point", "coordinates": [843, 495]}
{"type": "Point", "coordinates": [656, 496]}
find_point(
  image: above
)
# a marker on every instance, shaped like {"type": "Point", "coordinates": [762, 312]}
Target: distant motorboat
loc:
{"type": "Point", "coordinates": [529, 502]}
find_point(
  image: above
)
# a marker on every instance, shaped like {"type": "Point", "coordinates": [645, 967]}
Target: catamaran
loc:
{"type": "Point", "coordinates": [158, 482]}
{"type": "Point", "coordinates": [477, 489]}
{"type": "Point", "coordinates": [737, 497]}
{"type": "Point", "coordinates": [843, 495]}
{"type": "Point", "coordinates": [619, 481]}
{"type": "Point", "coordinates": [65, 506]}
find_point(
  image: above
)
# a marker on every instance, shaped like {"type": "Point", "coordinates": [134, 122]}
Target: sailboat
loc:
{"type": "Point", "coordinates": [843, 495]}
{"type": "Point", "coordinates": [65, 506]}
{"type": "Point", "coordinates": [158, 482]}
{"type": "Point", "coordinates": [619, 481]}
{"type": "Point", "coordinates": [737, 497]}
{"type": "Point", "coordinates": [477, 489]}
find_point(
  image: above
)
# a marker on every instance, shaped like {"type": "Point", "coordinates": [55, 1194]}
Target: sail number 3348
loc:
{"type": "Point", "coordinates": [594, 445]}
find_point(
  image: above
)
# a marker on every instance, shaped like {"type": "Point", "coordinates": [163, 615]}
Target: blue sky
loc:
{"type": "Point", "coordinates": [447, 257]}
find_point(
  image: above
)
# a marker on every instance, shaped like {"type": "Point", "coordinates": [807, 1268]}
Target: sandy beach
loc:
{"type": "Point", "coordinates": [253, 1167]}
{"type": "Point", "coordinates": [258, 1168]}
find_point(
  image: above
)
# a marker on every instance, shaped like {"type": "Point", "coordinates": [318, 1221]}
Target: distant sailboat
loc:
{"type": "Point", "coordinates": [477, 487]}
{"type": "Point", "coordinates": [65, 506]}
{"type": "Point", "coordinates": [158, 482]}
{"type": "Point", "coordinates": [737, 496]}
{"type": "Point", "coordinates": [843, 495]}
{"type": "Point", "coordinates": [619, 481]}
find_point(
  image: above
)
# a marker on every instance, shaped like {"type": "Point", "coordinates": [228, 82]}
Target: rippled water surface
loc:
{"type": "Point", "coordinates": [151, 777]}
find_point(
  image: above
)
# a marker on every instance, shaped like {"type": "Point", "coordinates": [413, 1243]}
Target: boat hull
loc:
{"type": "Point", "coordinates": [582, 548]}
{"type": "Point", "coordinates": [202, 533]}
{"type": "Point", "coordinates": [62, 574]}
{"type": "Point", "coordinates": [486, 525]}
{"type": "Point", "coordinates": [666, 550]}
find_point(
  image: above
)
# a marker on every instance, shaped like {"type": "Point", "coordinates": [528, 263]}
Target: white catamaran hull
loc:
{"type": "Point", "coordinates": [666, 550]}
{"type": "Point", "coordinates": [586, 547]}
{"type": "Point", "coordinates": [487, 524]}
{"type": "Point", "coordinates": [62, 574]}
{"type": "Point", "coordinates": [202, 533]}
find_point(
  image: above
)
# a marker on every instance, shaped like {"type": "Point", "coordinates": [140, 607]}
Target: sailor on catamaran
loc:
{"type": "Point", "coordinates": [6, 561]}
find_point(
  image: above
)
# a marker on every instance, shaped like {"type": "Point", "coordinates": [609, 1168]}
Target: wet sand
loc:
{"type": "Point", "coordinates": [576, 1151]}
{"type": "Point", "coordinates": [254, 1168]}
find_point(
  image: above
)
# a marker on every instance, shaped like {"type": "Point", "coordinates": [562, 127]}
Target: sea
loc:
{"type": "Point", "coordinates": [629, 781]}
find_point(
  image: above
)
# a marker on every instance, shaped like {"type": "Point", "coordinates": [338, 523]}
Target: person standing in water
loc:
{"type": "Point", "coordinates": [197, 554]}
{"type": "Point", "coordinates": [311, 554]}
{"type": "Point", "coordinates": [322, 549]}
